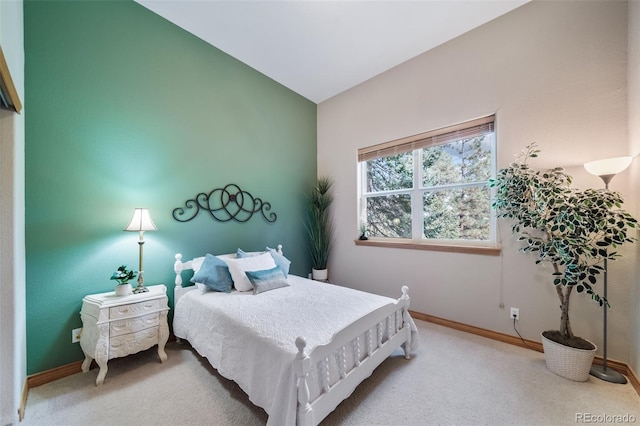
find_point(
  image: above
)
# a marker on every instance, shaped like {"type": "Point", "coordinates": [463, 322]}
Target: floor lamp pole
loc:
{"type": "Point", "coordinates": [601, 371]}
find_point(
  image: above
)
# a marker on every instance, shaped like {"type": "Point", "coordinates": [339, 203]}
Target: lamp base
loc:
{"type": "Point", "coordinates": [608, 374]}
{"type": "Point", "coordinates": [140, 289]}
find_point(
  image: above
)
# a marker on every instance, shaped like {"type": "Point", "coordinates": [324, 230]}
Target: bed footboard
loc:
{"type": "Point", "coordinates": [367, 343]}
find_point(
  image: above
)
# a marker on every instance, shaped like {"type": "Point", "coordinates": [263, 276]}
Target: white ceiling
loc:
{"type": "Point", "coordinates": [321, 48]}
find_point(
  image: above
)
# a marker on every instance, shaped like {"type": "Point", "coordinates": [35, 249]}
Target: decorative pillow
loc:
{"type": "Point", "coordinates": [280, 260]}
{"type": "Point", "coordinates": [197, 263]}
{"type": "Point", "coordinates": [266, 280]}
{"type": "Point", "coordinates": [241, 253]}
{"type": "Point", "coordinates": [238, 267]}
{"type": "Point", "coordinates": [226, 256]}
{"type": "Point", "coordinates": [214, 273]}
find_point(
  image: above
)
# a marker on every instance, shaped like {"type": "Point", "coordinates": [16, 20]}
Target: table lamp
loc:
{"type": "Point", "coordinates": [140, 222]}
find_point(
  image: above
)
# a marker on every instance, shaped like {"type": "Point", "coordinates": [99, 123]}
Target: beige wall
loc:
{"type": "Point", "coordinates": [554, 73]}
{"type": "Point", "coordinates": [633, 83]}
{"type": "Point", "coordinates": [13, 356]}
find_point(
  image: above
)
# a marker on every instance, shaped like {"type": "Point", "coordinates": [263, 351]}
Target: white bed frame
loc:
{"type": "Point", "coordinates": [393, 319]}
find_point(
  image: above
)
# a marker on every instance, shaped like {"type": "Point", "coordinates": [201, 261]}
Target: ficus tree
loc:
{"type": "Point", "coordinates": [572, 230]}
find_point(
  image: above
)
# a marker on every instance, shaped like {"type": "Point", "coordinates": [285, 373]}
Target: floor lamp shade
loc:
{"type": "Point", "coordinates": [608, 168]}
{"type": "Point", "coordinates": [140, 222]}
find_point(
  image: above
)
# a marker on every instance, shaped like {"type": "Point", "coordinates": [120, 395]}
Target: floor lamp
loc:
{"type": "Point", "coordinates": [140, 222]}
{"type": "Point", "coordinates": [606, 170]}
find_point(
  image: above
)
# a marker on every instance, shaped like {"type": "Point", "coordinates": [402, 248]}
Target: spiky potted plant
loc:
{"type": "Point", "coordinates": [319, 226]}
{"type": "Point", "coordinates": [572, 230]}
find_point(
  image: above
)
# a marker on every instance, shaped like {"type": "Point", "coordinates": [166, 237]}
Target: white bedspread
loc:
{"type": "Point", "coordinates": [250, 339]}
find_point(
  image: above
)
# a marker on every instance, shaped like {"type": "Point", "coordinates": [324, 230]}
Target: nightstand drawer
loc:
{"type": "Point", "coordinates": [131, 325]}
{"type": "Point", "coordinates": [134, 309]}
{"type": "Point", "coordinates": [133, 342]}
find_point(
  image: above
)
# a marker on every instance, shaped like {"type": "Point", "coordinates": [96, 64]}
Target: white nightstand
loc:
{"type": "Point", "coordinates": [116, 326]}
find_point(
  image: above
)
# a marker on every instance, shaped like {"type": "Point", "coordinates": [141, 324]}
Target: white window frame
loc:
{"type": "Point", "coordinates": [415, 144]}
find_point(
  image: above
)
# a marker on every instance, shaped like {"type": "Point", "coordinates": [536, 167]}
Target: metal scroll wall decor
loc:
{"type": "Point", "coordinates": [225, 204]}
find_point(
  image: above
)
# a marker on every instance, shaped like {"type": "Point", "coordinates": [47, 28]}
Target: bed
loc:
{"type": "Point", "coordinates": [296, 347]}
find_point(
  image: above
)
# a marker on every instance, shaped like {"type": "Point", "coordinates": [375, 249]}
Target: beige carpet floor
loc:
{"type": "Point", "coordinates": [454, 378]}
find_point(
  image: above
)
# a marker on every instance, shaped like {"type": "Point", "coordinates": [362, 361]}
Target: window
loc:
{"type": "Point", "coordinates": [432, 187]}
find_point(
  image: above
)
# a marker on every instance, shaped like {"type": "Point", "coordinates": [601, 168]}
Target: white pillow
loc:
{"type": "Point", "coordinates": [238, 267]}
{"type": "Point", "coordinates": [197, 261]}
{"type": "Point", "coordinates": [196, 264]}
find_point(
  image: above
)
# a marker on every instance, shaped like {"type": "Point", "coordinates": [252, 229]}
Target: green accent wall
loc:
{"type": "Point", "coordinates": [124, 109]}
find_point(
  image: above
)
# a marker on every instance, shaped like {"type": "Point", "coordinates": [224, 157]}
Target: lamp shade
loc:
{"type": "Point", "coordinates": [608, 166]}
{"type": "Point", "coordinates": [141, 221]}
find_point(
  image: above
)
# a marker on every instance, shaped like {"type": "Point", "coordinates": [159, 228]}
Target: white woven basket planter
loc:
{"type": "Point", "coordinates": [570, 363]}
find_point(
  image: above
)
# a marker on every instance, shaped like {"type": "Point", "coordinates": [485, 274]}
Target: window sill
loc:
{"type": "Point", "coordinates": [411, 245]}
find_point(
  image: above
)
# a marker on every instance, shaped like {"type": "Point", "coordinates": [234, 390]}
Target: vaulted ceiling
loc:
{"type": "Point", "coordinates": [321, 48]}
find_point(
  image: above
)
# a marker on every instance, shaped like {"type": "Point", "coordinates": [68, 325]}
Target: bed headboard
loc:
{"type": "Point", "coordinates": [195, 263]}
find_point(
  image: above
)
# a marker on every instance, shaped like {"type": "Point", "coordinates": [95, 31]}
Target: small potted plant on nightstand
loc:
{"type": "Point", "coordinates": [123, 276]}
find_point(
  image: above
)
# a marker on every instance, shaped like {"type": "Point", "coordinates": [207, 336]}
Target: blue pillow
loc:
{"type": "Point", "coordinates": [241, 253]}
{"type": "Point", "coordinates": [281, 261]}
{"type": "Point", "coordinates": [268, 279]}
{"type": "Point", "coordinates": [214, 273]}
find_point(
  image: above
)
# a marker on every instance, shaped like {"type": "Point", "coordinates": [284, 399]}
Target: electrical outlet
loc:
{"type": "Point", "coordinates": [75, 335]}
{"type": "Point", "coordinates": [515, 313]}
